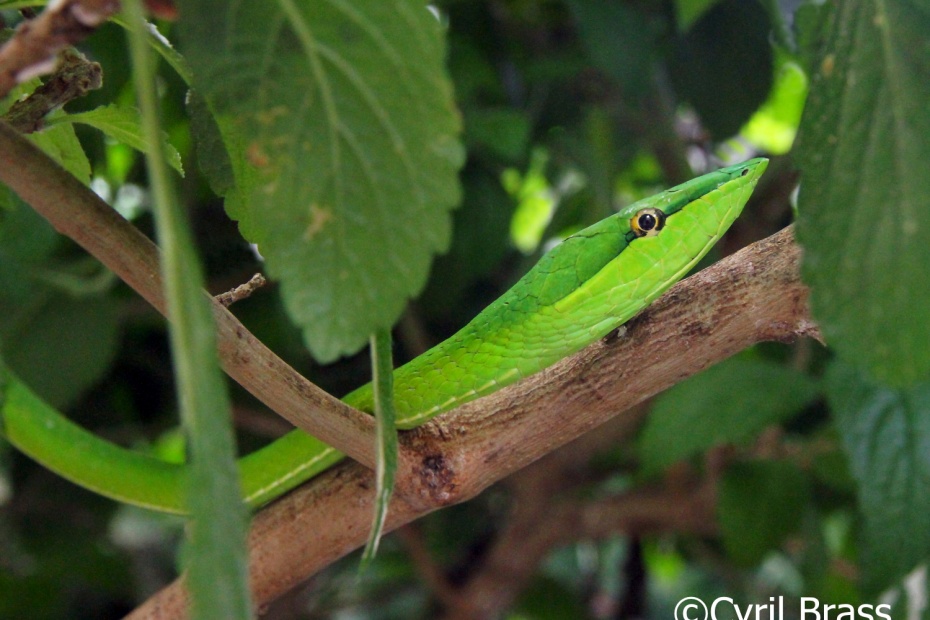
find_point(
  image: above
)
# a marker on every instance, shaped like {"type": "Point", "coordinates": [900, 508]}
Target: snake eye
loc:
{"type": "Point", "coordinates": [647, 222]}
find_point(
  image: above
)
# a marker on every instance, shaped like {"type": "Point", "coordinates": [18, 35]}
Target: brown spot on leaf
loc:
{"type": "Point", "coordinates": [257, 155]}
{"type": "Point", "coordinates": [319, 218]}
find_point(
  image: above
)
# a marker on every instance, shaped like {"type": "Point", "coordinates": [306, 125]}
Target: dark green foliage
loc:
{"type": "Point", "coordinates": [760, 505]}
{"type": "Point", "coordinates": [886, 432]}
{"type": "Point", "coordinates": [729, 403]}
{"type": "Point", "coordinates": [822, 482]}
{"type": "Point", "coordinates": [723, 65]}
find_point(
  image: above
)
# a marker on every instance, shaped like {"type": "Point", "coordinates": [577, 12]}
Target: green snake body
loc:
{"type": "Point", "coordinates": [581, 290]}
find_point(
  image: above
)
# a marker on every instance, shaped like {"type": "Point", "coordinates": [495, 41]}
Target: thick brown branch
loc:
{"type": "Point", "coordinates": [75, 211]}
{"type": "Point", "coordinates": [752, 296]}
{"type": "Point", "coordinates": [34, 47]}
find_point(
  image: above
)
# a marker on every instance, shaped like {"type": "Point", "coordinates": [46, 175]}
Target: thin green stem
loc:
{"type": "Point", "coordinates": [383, 388]}
{"type": "Point", "coordinates": [216, 561]}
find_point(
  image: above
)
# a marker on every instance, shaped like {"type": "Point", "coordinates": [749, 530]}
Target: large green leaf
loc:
{"type": "Point", "coordinates": [864, 208]}
{"type": "Point", "coordinates": [25, 239]}
{"type": "Point", "coordinates": [729, 402]}
{"type": "Point", "coordinates": [341, 127]}
{"type": "Point", "coordinates": [886, 433]}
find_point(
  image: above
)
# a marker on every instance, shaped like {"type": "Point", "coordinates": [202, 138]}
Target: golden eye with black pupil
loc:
{"type": "Point", "coordinates": [647, 222]}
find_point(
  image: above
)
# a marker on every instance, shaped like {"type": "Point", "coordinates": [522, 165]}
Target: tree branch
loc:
{"type": "Point", "coordinates": [76, 211]}
{"type": "Point", "coordinates": [73, 78]}
{"type": "Point", "coordinates": [752, 296]}
{"type": "Point", "coordinates": [33, 49]}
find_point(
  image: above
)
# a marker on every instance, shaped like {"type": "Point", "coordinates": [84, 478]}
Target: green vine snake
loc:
{"type": "Point", "coordinates": [580, 291]}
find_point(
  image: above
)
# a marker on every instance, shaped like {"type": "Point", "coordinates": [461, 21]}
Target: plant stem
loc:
{"type": "Point", "coordinates": [216, 558]}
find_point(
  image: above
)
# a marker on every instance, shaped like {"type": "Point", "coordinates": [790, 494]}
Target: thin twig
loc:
{"type": "Point", "coordinates": [74, 77]}
{"type": "Point", "coordinates": [242, 291]}
{"type": "Point", "coordinates": [33, 49]}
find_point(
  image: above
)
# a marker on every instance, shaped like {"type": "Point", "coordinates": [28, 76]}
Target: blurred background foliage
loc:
{"type": "Point", "coordinates": [571, 109]}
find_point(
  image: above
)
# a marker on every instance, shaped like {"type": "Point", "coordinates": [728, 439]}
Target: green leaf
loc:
{"type": "Point", "coordinates": [163, 48]}
{"type": "Point", "coordinates": [208, 141]}
{"type": "Point", "coordinates": [123, 125]}
{"type": "Point", "coordinates": [886, 433]}
{"type": "Point", "coordinates": [863, 152]}
{"type": "Point", "coordinates": [341, 128]}
{"type": "Point", "coordinates": [689, 11]}
{"type": "Point", "coordinates": [760, 504]}
{"type": "Point", "coordinates": [61, 344]}
{"type": "Point", "coordinates": [729, 402]}
{"type": "Point", "coordinates": [723, 65]}
{"type": "Point", "coordinates": [59, 142]}
{"type": "Point", "coordinates": [62, 145]}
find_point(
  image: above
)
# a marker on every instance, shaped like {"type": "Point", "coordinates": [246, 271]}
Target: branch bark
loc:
{"type": "Point", "coordinates": [752, 296]}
